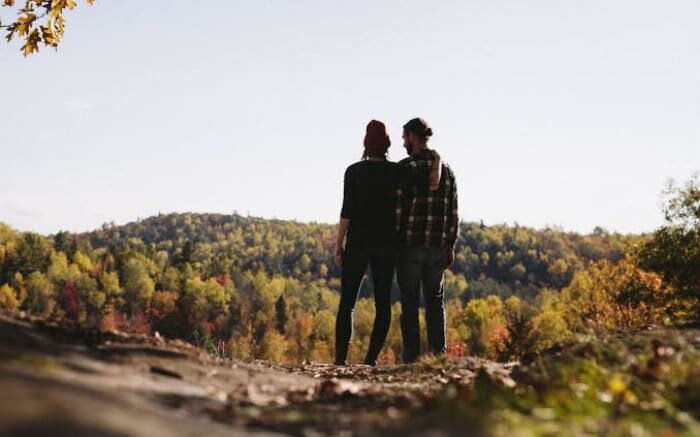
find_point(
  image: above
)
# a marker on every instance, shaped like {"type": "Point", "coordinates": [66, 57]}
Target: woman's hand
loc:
{"type": "Point", "coordinates": [338, 257]}
{"type": "Point", "coordinates": [342, 232]}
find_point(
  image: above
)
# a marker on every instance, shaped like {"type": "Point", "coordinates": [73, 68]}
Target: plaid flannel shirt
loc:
{"type": "Point", "coordinates": [428, 218]}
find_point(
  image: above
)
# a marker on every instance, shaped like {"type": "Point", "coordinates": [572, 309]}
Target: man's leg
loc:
{"type": "Point", "coordinates": [354, 266]}
{"type": "Point", "coordinates": [409, 272]}
{"type": "Point", "coordinates": [434, 294]}
{"type": "Point", "coordinates": [383, 262]}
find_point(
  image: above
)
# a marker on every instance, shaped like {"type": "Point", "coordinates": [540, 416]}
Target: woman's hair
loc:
{"type": "Point", "coordinates": [419, 127]}
{"type": "Point", "coordinates": [376, 141]}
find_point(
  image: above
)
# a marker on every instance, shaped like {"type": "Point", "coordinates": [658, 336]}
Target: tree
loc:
{"type": "Point", "coordinates": [322, 333]}
{"type": "Point", "coordinates": [322, 270]}
{"type": "Point", "coordinates": [674, 250]}
{"type": "Point", "coordinates": [83, 261]}
{"type": "Point", "coordinates": [8, 298]}
{"type": "Point", "coordinates": [185, 254]}
{"type": "Point", "coordinates": [241, 278]}
{"type": "Point", "coordinates": [65, 242]}
{"type": "Point", "coordinates": [305, 263]}
{"type": "Point", "coordinates": [549, 325]}
{"type": "Point", "coordinates": [273, 347]}
{"type": "Point", "coordinates": [110, 284]}
{"type": "Point", "coordinates": [203, 301]}
{"type": "Point", "coordinates": [281, 310]}
{"type": "Point", "coordinates": [37, 22]}
{"type": "Point", "coordinates": [28, 256]}
{"type": "Point", "coordinates": [93, 298]}
{"type": "Point", "coordinates": [41, 299]}
{"type": "Point", "coordinates": [138, 284]}
{"type": "Point", "coordinates": [242, 344]}
{"type": "Point", "coordinates": [164, 303]}
{"type": "Point", "coordinates": [486, 322]}
{"type": "Point", "coordinates": [518, 315]}
{"type": "Point", "coordinates": [559, 272]}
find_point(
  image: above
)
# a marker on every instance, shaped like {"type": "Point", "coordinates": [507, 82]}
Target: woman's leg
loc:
{"type": "Point", "coordinates": [383, 262]}
{"type": "Point", "coordinates": [354, 266]}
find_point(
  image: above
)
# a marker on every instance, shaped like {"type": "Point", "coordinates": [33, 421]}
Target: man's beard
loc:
{"type": "Point", "coordinates": [408, 148]}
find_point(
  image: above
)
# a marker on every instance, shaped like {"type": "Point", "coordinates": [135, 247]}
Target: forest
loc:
{"type": "Point", "coordinates": [198, 323]}
{"type": "Point", "coordinates": [252, 288]}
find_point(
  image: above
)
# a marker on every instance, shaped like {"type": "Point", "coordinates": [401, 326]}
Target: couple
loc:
{"type": "Point", "coordinates": [396, 215]}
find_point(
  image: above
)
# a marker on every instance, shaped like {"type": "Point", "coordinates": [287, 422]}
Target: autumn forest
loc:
{"type": "Point", "coordinates": [252, 288]}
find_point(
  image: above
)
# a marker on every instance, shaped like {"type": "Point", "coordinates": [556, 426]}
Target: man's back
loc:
{"type": "Point", "coordinates": [430, 218]}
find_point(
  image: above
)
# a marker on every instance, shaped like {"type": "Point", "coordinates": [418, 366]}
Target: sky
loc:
{"type": "Point", "coordinates": [551, 113]}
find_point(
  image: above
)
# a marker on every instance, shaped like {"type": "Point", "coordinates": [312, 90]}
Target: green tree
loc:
{"type": "Point", "coordinates": [549, 325]}
{"type": "Point", "coordinates": [281, 311]}
{"type": "Point", "coordinates": [674, 250]}
{"type": "Point", "coordinates": [203, 301]}
{"type": "Point", "coordinates": [29, 255]}
{"type": "Point", "coordinates": [41, 299]}
{"type": "Point", "coordinates": [138, 285]}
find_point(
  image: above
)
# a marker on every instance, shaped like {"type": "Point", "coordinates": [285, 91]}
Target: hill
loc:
{"type": "Point", "coordinates": [257, 288]}
{"type": "Point", "coordinates": [513, 256]}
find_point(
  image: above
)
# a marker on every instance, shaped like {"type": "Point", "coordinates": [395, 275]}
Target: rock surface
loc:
{"type": "Point", "coordinates": [68, 382]}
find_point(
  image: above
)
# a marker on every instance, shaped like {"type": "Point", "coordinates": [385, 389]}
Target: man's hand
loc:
{"type": "Point", "coordinates": [450, 257]}
{"type": "Point", "coordinates": [338, 257]}
{"type": "Point", "coordinates": [435, 172]}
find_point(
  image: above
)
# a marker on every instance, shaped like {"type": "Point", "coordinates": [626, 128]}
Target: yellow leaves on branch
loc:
{"type": "Point", "coordinates": [38, 21]}
{"type": "Point", "coordinates": [31, 44]}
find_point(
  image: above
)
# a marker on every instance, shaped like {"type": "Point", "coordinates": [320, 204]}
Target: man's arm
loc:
{"type": "Point", "coordinates": [399, 208]}
{"type": "Point", "coordinates": [452, 221]}
{"type": "Point", "coordinates": [403, 196]}
{"type": "Point", "coordinates": [435, 171]}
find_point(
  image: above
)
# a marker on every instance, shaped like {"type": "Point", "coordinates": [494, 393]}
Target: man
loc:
{"type": "Point", "coordinates": [429, 232]}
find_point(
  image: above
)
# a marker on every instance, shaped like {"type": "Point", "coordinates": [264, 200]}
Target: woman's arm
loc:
{"type": "Point", "coordinates": [346, 214]}
{"type": "Point", "coordinates": [435, 171]}
{"type": "Point", "coordinates": [342, 232]}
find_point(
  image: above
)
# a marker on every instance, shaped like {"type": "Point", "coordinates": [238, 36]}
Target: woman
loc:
{"type": "Point", "coordinates": [370, 219]}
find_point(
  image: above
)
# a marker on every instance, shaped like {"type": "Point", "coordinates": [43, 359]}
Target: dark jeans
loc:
{"type": "Point", "coordinates": [382, 260]}
{"type": "Point", "coordinates": [422, 266]}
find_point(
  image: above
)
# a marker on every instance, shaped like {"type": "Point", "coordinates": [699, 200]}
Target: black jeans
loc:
{"type": "Point", "coordinates": [382, 260]}
{"type": "Point", "coordinates": [426, 266]}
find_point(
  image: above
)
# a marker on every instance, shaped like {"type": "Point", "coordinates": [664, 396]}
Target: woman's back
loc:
{"type": "Point", "coordinates": [370, 202]}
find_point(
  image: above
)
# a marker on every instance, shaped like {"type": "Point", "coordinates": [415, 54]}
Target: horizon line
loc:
{"type": "Point", "coordinates": [248, 215]}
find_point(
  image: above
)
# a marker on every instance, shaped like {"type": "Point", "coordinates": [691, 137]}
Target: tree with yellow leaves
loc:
{"type": "Point", "coordinates": [37, 22]}
{"type": "Point", "coordinates": [8, 298]}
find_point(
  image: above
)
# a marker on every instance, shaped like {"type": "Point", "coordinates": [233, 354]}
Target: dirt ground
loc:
{"type": "Point", "coordinates": [68, 382]}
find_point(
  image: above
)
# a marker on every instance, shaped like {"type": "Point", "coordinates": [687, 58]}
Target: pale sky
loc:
{"type": "Point", "coordinates": [568, 113]}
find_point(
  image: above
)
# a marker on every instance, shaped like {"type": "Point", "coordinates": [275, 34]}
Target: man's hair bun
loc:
{"type": "Point", "coordinates": [418, 126]}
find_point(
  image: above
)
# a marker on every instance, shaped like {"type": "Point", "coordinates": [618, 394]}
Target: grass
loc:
{"type": "Point", "coordinates": [631, 384]}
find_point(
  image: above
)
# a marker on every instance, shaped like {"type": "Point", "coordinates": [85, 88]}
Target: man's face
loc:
{"type": "Point", "coordinates": [408, 142]}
